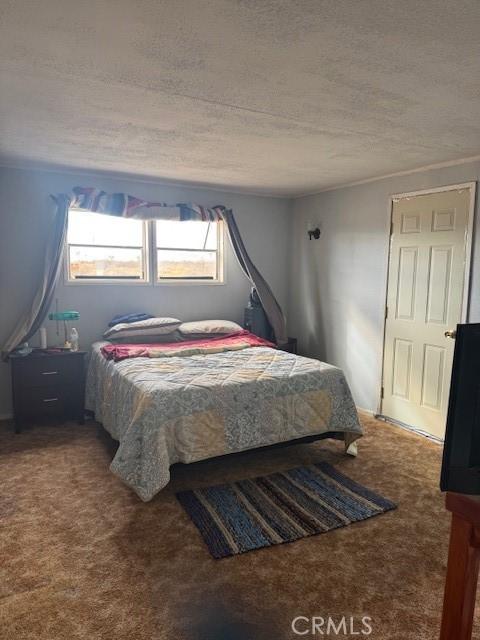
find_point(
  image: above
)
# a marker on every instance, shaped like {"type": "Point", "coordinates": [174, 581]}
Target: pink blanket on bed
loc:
{"type": "Point", "coordinates": [232, 342]}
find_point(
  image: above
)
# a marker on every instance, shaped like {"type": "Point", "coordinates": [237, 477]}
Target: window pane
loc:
{"type": "Point", "coordinates": [105, 262]}
{"type": "Point", "coordinates": [187, 264]}
{"type": "Point", "coordinates": [186, 235]}
{"type": "Point", "coordinates": [85, 227]}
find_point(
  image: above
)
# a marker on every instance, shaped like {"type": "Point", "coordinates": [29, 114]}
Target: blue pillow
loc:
{"type": "Point", "coordinates": [129, 317]}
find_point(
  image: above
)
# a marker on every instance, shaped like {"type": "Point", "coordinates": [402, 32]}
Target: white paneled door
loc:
{"type": "Point", "coordinates": [425, 299]}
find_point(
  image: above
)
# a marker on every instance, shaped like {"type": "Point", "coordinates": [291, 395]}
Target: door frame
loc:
{"type": "Point", "coordinates": [472, 186]}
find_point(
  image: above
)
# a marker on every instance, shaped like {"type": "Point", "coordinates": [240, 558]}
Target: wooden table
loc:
{"type": "Point", "coordinates": [462, 569]}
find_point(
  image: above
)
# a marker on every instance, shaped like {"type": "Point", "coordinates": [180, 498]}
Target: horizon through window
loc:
{"type": "Point", "coordinates": [104, 247]}
{"type": "Point", "coordinates": [188, 250]}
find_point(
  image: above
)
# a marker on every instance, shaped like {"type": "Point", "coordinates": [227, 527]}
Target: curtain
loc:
{"type": "Point", "coordinates": [270, 305]}
{"type": "Point", "coordinates": [125, 205]}
{"type": "Point", "coordinates": [33, 319]}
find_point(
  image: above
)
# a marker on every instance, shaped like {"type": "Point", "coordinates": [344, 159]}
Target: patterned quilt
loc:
{"type": "Point", "coordinates": [192, 407]}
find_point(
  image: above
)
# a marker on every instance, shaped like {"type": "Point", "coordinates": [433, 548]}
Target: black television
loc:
{"type": "Point", "coordinates": [461, 452]}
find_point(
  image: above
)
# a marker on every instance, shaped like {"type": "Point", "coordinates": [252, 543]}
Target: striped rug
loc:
{"type": "Point", "coordinates": [281, 507]}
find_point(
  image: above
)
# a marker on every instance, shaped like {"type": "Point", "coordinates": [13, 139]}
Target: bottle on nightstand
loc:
{"type": "Point", "coordinates": [74, 339]}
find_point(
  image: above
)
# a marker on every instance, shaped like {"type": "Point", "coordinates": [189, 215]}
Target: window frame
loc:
{"type": "Point", "coordinates": [220, 254]}
{"type": "Point", "coordinates": [149, 261]}
{"type": "Point", "coordinates": [118, 281]}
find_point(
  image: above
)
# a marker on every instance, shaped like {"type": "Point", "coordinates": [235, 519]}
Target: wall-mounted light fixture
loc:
{"type": "Point", "coordinates": [313, 231]}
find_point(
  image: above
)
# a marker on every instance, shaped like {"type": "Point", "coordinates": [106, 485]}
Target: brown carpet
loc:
{"type": "Point", "coordinates": [83, 557]}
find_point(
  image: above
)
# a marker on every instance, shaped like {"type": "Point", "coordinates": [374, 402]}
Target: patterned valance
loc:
{"type": "Point", "coordinates": [127, 206]}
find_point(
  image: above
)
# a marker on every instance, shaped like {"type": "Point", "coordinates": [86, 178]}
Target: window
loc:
{"type": "Point", "coordinates": [188, 251]}
{"type": "Point", "coordinates": [101, 247]}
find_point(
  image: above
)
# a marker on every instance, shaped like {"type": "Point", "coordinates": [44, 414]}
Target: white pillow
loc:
{"type": "Point", "coordinates": [209, 327]}
{"type": "Point", "coordinates": [150, 327]}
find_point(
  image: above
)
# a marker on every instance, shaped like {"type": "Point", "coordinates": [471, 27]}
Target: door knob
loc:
{"type": "Point", "coordinates": [451, 333]}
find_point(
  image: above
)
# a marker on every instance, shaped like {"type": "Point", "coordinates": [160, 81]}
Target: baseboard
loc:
{"type": "Point", "coordinates": [407, 427]}
{"type": "Point", "coordinates": [369, 411]}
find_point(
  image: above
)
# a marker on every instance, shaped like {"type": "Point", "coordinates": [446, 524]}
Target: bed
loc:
{"type": "Point", "coordinates": [191, 406]}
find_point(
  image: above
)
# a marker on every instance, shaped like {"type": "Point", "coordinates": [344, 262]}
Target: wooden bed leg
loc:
{"type": "Point", "coordinates": [351, 449]}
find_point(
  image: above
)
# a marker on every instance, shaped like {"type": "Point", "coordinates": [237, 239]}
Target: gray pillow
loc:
{"type": "Point", "coordinates": [150, 327]}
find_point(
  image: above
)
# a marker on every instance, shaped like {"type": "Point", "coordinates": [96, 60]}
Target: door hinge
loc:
{"type": "Point", "coordinates": [386, 313]}
{"type": "Point", "coordinates": [382, 392]}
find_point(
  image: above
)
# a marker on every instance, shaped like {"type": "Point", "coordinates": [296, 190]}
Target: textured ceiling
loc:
{"type": "Point", "coordinates": [283, 97]}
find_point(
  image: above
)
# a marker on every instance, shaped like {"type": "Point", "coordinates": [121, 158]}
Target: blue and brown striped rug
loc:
{"type": "Point", "coordinates": [282, 507]}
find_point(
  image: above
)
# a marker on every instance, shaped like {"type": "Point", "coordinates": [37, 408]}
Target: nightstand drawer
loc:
{"type": "Point", "coordinates": [48, 401]}
{"type": "Point", "coordinates": [45, 372]}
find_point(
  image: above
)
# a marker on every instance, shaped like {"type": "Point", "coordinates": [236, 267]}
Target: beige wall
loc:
{"type": "Point", "coordinates": [26, 209]}
{"type": "Point", "coordinates": [337, 286]}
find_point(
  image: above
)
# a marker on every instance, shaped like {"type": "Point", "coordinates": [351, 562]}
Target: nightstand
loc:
{"type": "Point", "coordinates": [48, 385]}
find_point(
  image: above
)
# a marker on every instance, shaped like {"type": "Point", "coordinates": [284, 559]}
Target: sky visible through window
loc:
{"type": "Point", "coordinates": [197, 259]}
{"type": "Point", "coordinates": [103, 246]}
{"type": "Point", "coordinates": [97, 229]}
{"type": "Point", "coordinates": [109, 247]}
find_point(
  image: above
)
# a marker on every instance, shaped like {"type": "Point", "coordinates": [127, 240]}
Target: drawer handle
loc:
{"type": "Point", "coordinates": [49, 373]}
{"type": "Point", "coordinates": [51, 400]}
